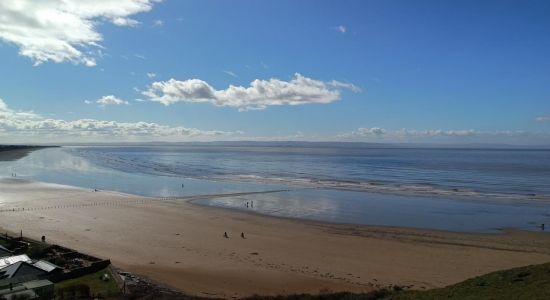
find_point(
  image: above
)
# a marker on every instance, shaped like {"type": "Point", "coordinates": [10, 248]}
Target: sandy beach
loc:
{"type": "Point", "coordinates": [181, 244]}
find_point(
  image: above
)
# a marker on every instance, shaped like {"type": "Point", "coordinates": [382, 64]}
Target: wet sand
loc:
{"type": "Point", "coordinates": [181, 244]}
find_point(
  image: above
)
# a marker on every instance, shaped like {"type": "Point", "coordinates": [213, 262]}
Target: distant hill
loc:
{"type": "Point", "coordinates": [19, 147]}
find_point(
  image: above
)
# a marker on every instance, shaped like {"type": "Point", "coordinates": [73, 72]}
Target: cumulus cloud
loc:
{"type": "Point", "coordinates": [63, 30]}
{"type": "Point", "coordinates": [151, 75]}
{"type": "Point", "coordinates": [542, 119]}
{"type": "Point", "coordinates": [110, 100]}
{"type": "Point", "coordinates": [259, 95]}
{"type": "Point", "coordinates": [14, 124]}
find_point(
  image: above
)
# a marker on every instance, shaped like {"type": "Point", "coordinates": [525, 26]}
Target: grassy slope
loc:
{"type": "Point", "coordinates": [97, 286]}
{"type": "Point", "coordinates": [530, 282]}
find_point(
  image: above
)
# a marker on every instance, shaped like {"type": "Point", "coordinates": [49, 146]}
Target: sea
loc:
{"type": "Point", "coordinates": [466, 189]}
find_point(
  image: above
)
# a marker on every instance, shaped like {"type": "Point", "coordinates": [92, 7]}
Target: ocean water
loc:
{"type": "Point", "coordinates": [440, 188]}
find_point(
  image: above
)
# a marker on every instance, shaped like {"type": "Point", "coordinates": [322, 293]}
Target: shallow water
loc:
{"type": "Point", "coordinates": [448, 189]}
{"type": "Point", "coordinates": [391, 210]}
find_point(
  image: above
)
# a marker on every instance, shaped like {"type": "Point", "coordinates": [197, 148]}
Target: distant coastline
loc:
{"type": "Point", "coordinates": [15, 152]}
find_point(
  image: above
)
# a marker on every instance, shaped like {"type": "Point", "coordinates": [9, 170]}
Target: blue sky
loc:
{"type": "Point", "coordinates": [397, 71]}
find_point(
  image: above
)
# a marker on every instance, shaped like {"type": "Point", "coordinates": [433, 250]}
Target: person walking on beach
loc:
{"type": "Point", "coordinates": [225, 235]}
{"type": "Point", "coordinates": [242, 235]}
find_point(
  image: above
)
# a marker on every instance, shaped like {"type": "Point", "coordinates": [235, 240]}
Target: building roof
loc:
{"type": "Point", "coordinates": [37, 284]}
{"type": "Point", "coordinates": [10, 260]}
{"type": "Point", "coordinates": [46, 265]}
{"type": "Point", "coordinates": [14, 289]}
{"type": "Point", "coordinates": [20, 269]}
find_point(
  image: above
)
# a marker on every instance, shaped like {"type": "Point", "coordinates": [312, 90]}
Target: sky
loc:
{"type": "Point", "coordinates": [204, 70]}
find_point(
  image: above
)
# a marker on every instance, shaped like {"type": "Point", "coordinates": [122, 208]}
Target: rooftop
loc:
{"type": "Point", "coordinates": [10, 260]}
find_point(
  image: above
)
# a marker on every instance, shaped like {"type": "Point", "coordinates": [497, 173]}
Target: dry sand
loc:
{"type": "Point", "coordinates": [182, 245]}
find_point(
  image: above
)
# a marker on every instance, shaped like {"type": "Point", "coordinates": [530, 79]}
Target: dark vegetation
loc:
{"type": "Point", "coordinates": [21, 147]}
{"type": "Point", "coordinates": [97, 285]}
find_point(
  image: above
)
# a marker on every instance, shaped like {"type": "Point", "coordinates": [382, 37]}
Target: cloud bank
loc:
{"type": "Point", "coordinates": [542, 119]}
{"type": "Point", "coordinates": [377, 134]}
{"type": "Point", "coordinates": [26, 126]}
{"type": "Point", "coordinates": [63, 30]}
{"type": "Point", "coordinates": [259, 95]}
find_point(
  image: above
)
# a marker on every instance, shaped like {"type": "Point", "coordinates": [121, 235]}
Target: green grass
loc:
{"type": "Point", "coordinates": [94, 282]}
{"type": "Point", "coordinates": [529, 283]}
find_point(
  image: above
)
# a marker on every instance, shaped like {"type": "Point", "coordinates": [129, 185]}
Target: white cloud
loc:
{"type": "Point", "coordinates": [341, 28]}
{"type": "Point", "coordinates": [140, 56]}
{"type": "Point", "coordinates": [151, 75]}
{"type": "Point", "coordinates": [158, 23]}
{"type": "Point", "coordinates": [28, 126]}
{"type": "Point", "coordinates": [542, 119]}
{"type": "Point", "coordinates": [63, 30]}
{"type": "Point", "coordinates": [111, 100]}
{"type": "Point", "coordinates": [125, 22]}
{"type": "Point", "coordinates": [259, 95]}
{"type": "Point", "coordinates": [374, 131]}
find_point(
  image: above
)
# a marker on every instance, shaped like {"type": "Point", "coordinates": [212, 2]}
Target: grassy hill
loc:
{"type": "Point", "coordinates": [529, 283]}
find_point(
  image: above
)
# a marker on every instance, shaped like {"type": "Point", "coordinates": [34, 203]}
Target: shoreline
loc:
{"type": "Point", "coordinates": [180, 244]}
